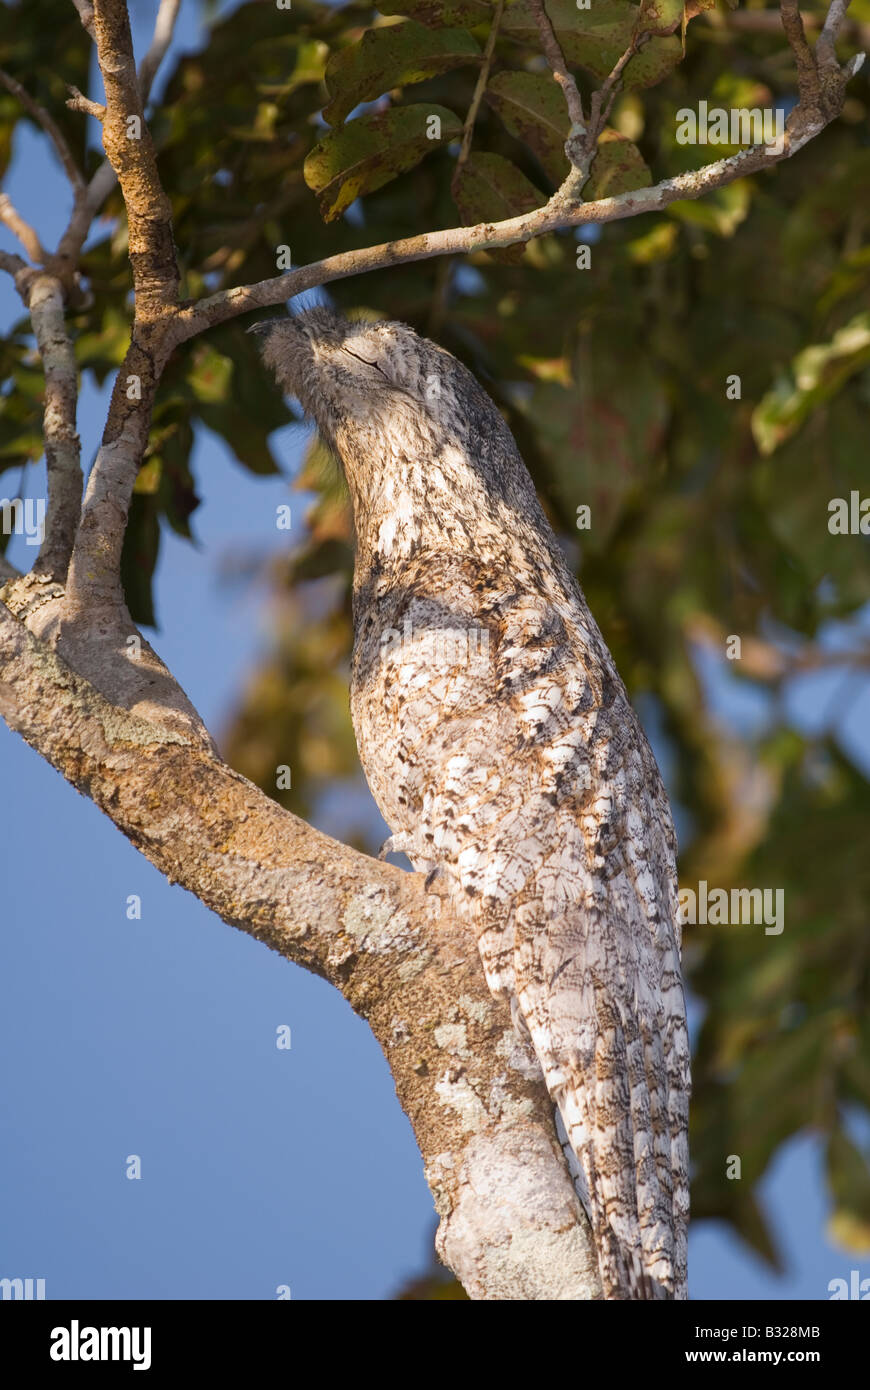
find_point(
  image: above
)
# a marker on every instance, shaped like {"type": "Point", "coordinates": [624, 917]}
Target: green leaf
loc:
{"type": "Point", "coordinates": [618, 167]}
{"type": "Point", "coordinates": [661, 16]}
{"type": "Point", "coordinates": [818, 373]}
{"type": "Point", "coordinates": [435, 14]}
{"type": "Point", "coordinates": [394, 56]}
{"type": "Point", "coordinates": [488, 188]}
{"type": "Point", "coordinates": [532, 108]}
{"type": "Point", "coordinates": [370, 151]}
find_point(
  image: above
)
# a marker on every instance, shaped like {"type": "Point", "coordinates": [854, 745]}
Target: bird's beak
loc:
{"type": "Point", "coordinates": [264, 326]}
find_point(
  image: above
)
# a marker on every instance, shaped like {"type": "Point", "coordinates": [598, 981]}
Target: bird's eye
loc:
{"type": "Point", "coordinates": [377, 368]}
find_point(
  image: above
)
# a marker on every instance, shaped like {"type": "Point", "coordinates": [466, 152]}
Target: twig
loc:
{"type": "Point", "coordinates": [11, 217]}
{"type": "Point", "coordinates": [480, 88]}
{"type": "Point", "coordinates": [164, 26]}
{"type": "Point", "coordinates": [603, 99]}
{"type": "Point", "coordinates": [807, 77]}
{"type": "Point", "coordinates": [52, 130]}
{"type": "Point", "coordinates": [770, 22]}
{"type": "Point", "coordinates": [556, 58]}
{"type": "Point", "coordinates": [77, 101]}
{"type": "Point", "coordinates": [11, 263]}
{"type": "Point", "coordinates": [86, 14]}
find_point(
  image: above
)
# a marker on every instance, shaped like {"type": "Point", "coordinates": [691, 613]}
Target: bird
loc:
{"type": "Point", "coordinates": [501, 747]}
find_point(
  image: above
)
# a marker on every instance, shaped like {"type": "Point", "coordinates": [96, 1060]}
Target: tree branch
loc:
{"type": "Point", "coordinates": [94, 574]}
{"type": "Point", "coordinates": [770, 22]}
{"type": "Point", "coordinates": [121, 730]}
{"type": "Point", "coordinates": [473, 1093]}
{"type": "Point", "coordinates": [556, 58]}
{"type": "Point", "coordinates": [86, 14]}
{"type": "Point", "coordinates": [164, 27]}
{"type": "Point", "coordinates": [52, 130]}
{"type": "Point", "coordinates": [563, 210]}
{"type": "Point", "coordinates": [806, 68]}
{"type": "Point", "coordinates": [130, 152]}
{"type": "Point", "coordinates": [62, 445]}
{"type": "Point", "coordinates": [12, 263]}
{"type": "Point", "coordinates": [11, 218]}
{"type": "Point", "coordinates": [104, 179]}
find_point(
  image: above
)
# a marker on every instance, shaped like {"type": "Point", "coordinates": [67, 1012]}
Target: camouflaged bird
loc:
{"type": "Point", "coordinates": [503, 752]}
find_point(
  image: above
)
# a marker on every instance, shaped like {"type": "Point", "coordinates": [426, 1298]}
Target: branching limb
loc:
{"type": "Point", "coordinates": [94, 574]}
{"type": "Point", "coordinates": [556, 58]}
{"type": "Point", "coordinates": [130, 152]}
{"type": "Point", "coordinates": [803, 57]}
{"type": "Point", "coordinates": [11, 263]}
{"type": "Point", "coordinates": [105, 178]}
{"type": "Point", "coordinates": [603, 98]}
{"type": "Point", "coordinates": [95, 568]}
{"type": "Point", "coordinates": [813, 112]}
{"type": "Point", "coordinates": [472, 1092]}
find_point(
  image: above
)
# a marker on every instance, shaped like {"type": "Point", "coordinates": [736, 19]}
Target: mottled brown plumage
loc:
{"type": "Point", "coordinates": [502, 750]}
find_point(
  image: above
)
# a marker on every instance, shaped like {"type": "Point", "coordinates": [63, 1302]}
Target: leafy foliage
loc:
{"type": "Point", "coordinates": [709, 508]}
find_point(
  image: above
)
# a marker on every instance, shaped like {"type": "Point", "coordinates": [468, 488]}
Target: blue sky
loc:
{"type": "Point", "coordinates": [156, 1036]}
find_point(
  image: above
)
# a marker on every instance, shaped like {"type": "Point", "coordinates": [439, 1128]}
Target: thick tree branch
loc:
{"type": "Point", "coordinates": [511, 1226]}
{"type": "Point", "coordinates": [80, 685]}
{"type": "Point", "coordinates": [104, 179]}
{"type": "Point", "coordinates": [129, 149]}
{"type": "Point", "coordinates": [94, 574]}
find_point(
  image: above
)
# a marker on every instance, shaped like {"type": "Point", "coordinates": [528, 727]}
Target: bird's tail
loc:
{"type": "Point", "coordinates": [622, 1099]}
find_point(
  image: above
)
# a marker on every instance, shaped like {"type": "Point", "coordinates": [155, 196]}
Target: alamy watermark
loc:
{"type": "Point", "coordinates": [24, 1289]}
{"type": "Point", "coordinates": [20, 517]}
{"type": "Point", "coordinates": [742, 907]}
{"type": "Point", "coordinates": [713, 125]}
{"type": "Point", "coordinates": [444, 647]}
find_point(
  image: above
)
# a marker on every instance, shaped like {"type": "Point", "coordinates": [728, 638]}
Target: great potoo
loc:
{"type": "Point", "coordinates": [501, 747]}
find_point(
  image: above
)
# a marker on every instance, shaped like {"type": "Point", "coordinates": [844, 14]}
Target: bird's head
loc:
{"type": "Point", "coordinates": [414, 430]}
{"type": "Point", "coordinates": [342, 371]}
